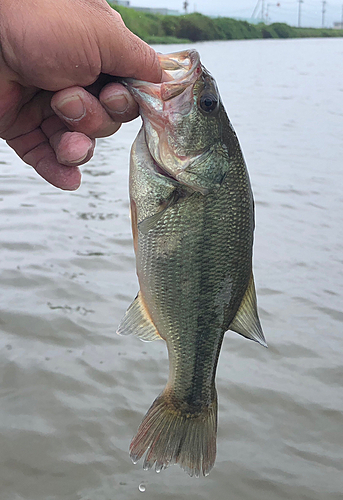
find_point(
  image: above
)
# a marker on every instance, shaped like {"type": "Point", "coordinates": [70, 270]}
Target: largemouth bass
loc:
{"type": "Point", "coordinates": [192, 215]}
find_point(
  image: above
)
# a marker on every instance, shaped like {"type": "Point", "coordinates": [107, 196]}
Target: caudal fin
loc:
{"type": "Point", "coordinates": [173, 435]}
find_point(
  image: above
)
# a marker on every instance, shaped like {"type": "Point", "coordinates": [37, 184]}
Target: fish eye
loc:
{"type": "Point", "coordinates": [208, 102]}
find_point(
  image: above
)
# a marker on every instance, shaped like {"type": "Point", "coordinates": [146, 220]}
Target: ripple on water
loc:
{"type": "Point", "coordinates": [312, 454]}
{"type": "Point", "coordinates": [330, 375]}
{"type": "Point", "coordinates": [269, 291]}
{"type": "Point", "coordinates": [291, 190]}
{"type": "Point", "coordinates": [96, 216]}
{"type": "Point", "coordinates": [333, 313]}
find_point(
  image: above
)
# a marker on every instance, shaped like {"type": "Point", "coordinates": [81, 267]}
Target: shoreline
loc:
{"type": "Point", "coordinates": [195, 27]}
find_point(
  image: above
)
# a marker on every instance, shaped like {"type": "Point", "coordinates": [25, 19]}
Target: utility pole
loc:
{"type": "Point", "coordinates": [185, 6]}
{"type": "Point", "coordinates": [342, 19]}
{"type": "Point", "coordinates": [262, 10]}
{"type": "Point", "coordinates": [323, 13]}
{"type": "Point", "coordinates": [299, 13]}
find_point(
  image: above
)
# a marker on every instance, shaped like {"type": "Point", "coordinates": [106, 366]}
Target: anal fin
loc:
{"type": "Point", "coordinates": [137, 321]}
{"type": "Point", "coordinates": [246, 322]}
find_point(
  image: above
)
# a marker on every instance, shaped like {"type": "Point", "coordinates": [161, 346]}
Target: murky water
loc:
{"type": "Point", "coordinates": [73, 392]}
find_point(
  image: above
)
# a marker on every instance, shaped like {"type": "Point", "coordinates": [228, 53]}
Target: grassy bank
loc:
{"type": "Point", "coordinates": [196, 27]}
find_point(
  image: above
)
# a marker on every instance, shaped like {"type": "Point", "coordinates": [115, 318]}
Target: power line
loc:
{"type": "Point", "coordinates": [259, 9]}
{"type": "Point", "coordinates": [312, 10]}
{"type": "Point", "coordinates": [256, 8]}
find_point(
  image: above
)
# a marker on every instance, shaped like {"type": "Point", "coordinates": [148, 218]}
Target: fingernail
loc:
{"type": "Point", "coordinates": [74, 187]}
{"type": "Point", "coordinates": [79, 160]}
{"type": "Point", "coordinates": [71, 107]}
{"type": "Point", "coordinates": [116, 103]}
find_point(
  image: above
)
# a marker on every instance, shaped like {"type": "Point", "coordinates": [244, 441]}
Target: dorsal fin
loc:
{"type": "Point", "coordinates": [137, 321]}
{"type": "Point", "coordinates": [246, 322]}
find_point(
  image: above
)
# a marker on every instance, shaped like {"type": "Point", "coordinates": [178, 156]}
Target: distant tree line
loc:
{"type": "Point", "coordinates": [154, 28]}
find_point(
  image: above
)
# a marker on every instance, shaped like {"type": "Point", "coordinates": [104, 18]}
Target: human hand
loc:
{"type": "Point", "coordinates": [49, 52]}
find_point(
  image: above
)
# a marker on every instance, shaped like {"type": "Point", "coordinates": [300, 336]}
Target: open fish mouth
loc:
{"type": "Point", "coordinates": [180, 69]}
{"type": "Point", "coordinates": [163, 105]}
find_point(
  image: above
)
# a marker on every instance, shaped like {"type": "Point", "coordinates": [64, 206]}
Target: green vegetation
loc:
{"type": "Point", "coordinates": [196, 27]}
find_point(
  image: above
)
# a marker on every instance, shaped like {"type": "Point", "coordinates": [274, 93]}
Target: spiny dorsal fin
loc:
{"type": "Point", "coordinates": [137, 322]}
{"type": "Point", "coordinates": [246, 322]}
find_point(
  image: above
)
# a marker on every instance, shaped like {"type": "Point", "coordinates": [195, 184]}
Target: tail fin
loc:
{"type": "Point", "coordinates": [176, 436]}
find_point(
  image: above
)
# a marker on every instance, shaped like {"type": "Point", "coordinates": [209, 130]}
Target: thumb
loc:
{"type": "Point", "coordinates": [124, 54]}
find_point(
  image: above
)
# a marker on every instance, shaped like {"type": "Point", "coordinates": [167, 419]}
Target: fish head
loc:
{"type": "Point", "coordinates": [183, 120]}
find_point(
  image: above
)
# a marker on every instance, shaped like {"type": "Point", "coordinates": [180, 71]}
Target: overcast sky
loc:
{"type": "Point", "coordinates": [311, 10]}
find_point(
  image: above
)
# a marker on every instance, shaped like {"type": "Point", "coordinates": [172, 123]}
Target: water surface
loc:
{"type": "Point", "coordinates": [73, 393]}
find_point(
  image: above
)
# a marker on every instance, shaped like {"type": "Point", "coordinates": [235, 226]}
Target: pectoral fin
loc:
{"type": "Point", "coordinates": [137, 321]}
{"type": "Point", "coordinates": [246, 322]}
{"type": "Point", "coordinates": [150, 222]}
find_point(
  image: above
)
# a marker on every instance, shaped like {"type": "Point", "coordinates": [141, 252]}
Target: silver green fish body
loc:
{"type": "Point", "coordinates": [192, 217]}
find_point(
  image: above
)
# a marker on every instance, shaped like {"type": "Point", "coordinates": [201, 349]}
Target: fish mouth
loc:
{"type": "Point", "coordinates": [180, 69]}
{"type": "Point", "coordinates": [158, 108]}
